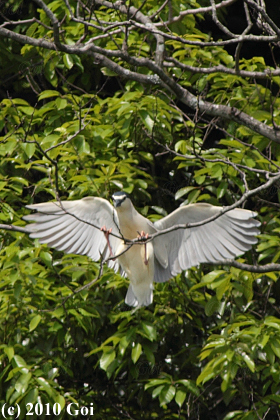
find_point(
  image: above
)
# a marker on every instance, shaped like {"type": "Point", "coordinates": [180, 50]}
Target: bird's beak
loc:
{"type": "Point", "coordinates": [116, 203]}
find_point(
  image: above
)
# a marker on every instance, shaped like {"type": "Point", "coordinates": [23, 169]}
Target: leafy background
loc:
{"type": "Point", "coordinates": [209, 345]}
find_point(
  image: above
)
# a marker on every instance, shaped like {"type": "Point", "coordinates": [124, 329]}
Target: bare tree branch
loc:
{"type": "Point", "coordinates": [267, 268]}
{"type": "Point", "coordinates": [134, 13]}
{"type": "Point", "coordinates": [199, 10]}
{"type": "Point", "coordinates": [219, 24]}
{"type": "Point", "coordinates": [271, 27]}
{"type": "Point", "coordinates": [267, 74]}
{"type": "Point", "coordinates": [14, 228]}
{"type": "Point", "coordinates": [236, 39]}
{"type": "Point", "coordinates": [53, 19]}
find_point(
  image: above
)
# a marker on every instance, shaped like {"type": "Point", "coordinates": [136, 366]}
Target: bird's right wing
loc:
{"type": "Point", "coordinates": [229, 235]}
{"type": "Point", "coordinates": [74, 227]}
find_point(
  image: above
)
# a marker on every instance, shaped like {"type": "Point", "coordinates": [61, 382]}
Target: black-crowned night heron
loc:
{"type": "Point", "coordinates": [78, 227]}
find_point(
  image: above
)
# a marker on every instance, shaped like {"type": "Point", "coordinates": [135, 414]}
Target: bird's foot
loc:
{"type": "Point", "coordinates": [142, 235]}
{"type": "Point", "coordinates": [106, 234]}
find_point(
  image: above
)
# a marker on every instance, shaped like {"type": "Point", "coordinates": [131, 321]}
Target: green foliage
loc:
{"type": "Point", "coordinates": [210, 343]}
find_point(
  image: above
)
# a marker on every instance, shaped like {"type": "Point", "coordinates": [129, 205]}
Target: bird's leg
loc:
{"type": "Point", "coordinates": [145, 250]}
{"type": "Point", "coordinates": [106, 234]}
{"type": "Point", "coordinates": [143, 235]}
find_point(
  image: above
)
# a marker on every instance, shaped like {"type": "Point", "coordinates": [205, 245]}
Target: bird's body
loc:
{"type": "Point", "coordinates": [76, 227]}
{"type": "Point", "coordinates": [138, 260]}
{"type": "Point", "coordinates": [140, 274]}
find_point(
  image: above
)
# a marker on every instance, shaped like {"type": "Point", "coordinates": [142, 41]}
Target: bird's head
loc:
{"type": "Point", "coordinates": [121, 200]}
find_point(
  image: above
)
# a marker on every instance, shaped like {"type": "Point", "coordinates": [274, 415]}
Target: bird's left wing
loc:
{"type": "Point", "coordinates": [226, 237]}
{"type": "Point", "coordinates": [74, 227]}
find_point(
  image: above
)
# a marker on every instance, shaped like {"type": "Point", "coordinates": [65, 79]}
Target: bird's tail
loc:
{"type": "Point", "coordinates": [132, 300]}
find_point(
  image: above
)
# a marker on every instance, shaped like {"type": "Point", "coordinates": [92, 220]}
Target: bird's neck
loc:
{"type": "Point", "coordinates": [129, 222]}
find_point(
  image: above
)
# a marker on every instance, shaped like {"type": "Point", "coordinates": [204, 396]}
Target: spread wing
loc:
{"type": "Point", "coordinates": [226, 237]}
{"type": "Point", "coordinates": [74, 227]}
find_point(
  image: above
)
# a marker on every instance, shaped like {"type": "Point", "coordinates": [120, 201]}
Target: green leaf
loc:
{"type": "Point", "coordinates": [180, 397]}
{"type": "Point", "coordinates": [272, 321]}
{"type": "Point", "coordinates": [68, 61]}
{"type": "Point", "coordinates": [107, 72]}
{"type": "Point", "coordinates": [222, 189]}
{"type": "Point", "coordinates": [46, 387]}
{"type": "Point", "coordinates": [233, 414]}
{"type": "Point", "coordinates": [222, 286]}
{"type": "Point", "coordinates": [210, 277]}
{"type": "Point", "coordinates": [29, 149]}
{"type": "Point", "coordinates": [107, 359]}
{"type": "Point", "coordinates": [20, 362]}
{"type": "Point", "coordinates": [34, 322]}
{"type": "Point", "coordinates": [147, 120]}
{"type": "Point", "coordinates": [60, 103]}
{"type": "Point", "coordinates": [50, 140]}
{"type": "Point", "coordinates": [275, 345]}
{"type": "Point", "coordinates": [157, 391]}
{"type": "Point", "coordinates": [48, 94]}
{"type": "Point", "coordinates": [269, 354]}
{"type": "Point", "coordinates": [46, 257]}
{"type": "Point", "coordinates": [9, 351]}
{"type": "Point", "coordinates": [264, 340]}
{"type": "Point", "coordinates": [59, 399]}
{"type": "Point", "coordinates": [249, 362]}
{"type": "Point", "coordinates": [212, 306]}
{"type": "Point", "coordinates": [28, 110]}
{"type": "Point", "coordinates": [181, 146]}
{"type": "Point", "coordinates": [212, 368]}
{"type": "Point", "coordinates": [190, 385]}
{"type": "Point", "coordinates": [155, 382]}
{"type": "Point", "coordinates": [22, 383]}
{"type": "Point", "coordinates": [167, 395]}
{"type": "Point", "coordinates": [32, 396]}
{"type": "Point", "coordinates": [193, 196]}
{"type": "Point", "coordinates": [216, 171]}
{"type": "Point", "coordinates": [183, 191]}
{"type": "Point", "coordinates": [136, 352]}
{"type": "Point", "coordinates": [150, 331]}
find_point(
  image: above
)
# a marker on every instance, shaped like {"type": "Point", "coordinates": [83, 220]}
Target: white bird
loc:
{"type": "Point", "coordinates": [78, 227]}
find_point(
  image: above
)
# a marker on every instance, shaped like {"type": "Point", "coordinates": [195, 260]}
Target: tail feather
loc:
{"type": "Point", "coordinates": [130, 298]}
{"type": "Point", "coordinates": [145, 299]}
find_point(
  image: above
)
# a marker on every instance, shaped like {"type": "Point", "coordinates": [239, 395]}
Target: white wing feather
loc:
{"type": "Point", "coordinates": [74, 227]}
{"type": "Point", "coordinates": [226, 237]}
